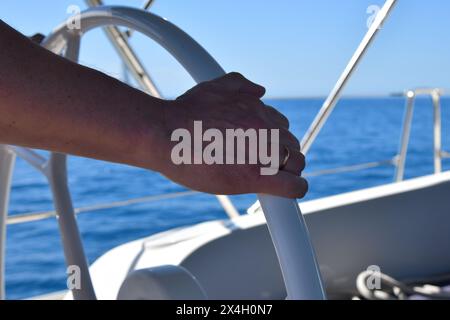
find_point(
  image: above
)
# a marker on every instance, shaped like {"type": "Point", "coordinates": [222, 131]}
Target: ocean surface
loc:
{"type": "Point", "coordinates": [360, 130]}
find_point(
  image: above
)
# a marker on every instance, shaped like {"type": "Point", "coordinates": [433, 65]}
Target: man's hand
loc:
{"type": "Point", "coordinates": [47, 102]}
{"type": "Point", "coordinates": [232, 102]}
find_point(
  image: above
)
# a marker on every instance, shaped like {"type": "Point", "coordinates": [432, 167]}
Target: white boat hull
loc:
{"type": "Point", "coordinates": [403, 228]}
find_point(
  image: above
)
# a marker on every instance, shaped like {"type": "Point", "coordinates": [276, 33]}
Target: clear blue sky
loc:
{"type": "Point", "coordinates": [293, 47]}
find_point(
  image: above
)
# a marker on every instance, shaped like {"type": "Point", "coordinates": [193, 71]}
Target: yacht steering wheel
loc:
{"type": "Point", "coordinates": [285, 221]}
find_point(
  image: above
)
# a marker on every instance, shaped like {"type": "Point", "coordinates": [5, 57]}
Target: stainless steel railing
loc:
{"type": "Point", "coordinates": [335, 94]}
{"type": "Point", "coordinates": [36, 216]}
{"type": "Point", "coordinates": [438, 153]}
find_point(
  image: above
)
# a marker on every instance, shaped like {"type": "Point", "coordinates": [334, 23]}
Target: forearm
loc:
{"type": "Point", "coordinates": [48, 102]}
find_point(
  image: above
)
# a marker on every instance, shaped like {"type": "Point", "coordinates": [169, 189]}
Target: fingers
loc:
{"type": "Point", "coordinates": [238, 101]}
{"type": "Point", "coordinates": [289, 140]}
{"type": "Point", "coordinates": [283, 184]}
{"type": "Point", "coordinates": [296, 162]}
{"type": "Point", "coordinates": [232, 83]}
{"type": "Point", "coordinates": [287, 182]}
{"type": "Point", "coordinates": [237, 83]}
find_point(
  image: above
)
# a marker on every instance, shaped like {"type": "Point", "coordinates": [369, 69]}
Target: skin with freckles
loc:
{"type": "Point", "coordinates": [50, 103]}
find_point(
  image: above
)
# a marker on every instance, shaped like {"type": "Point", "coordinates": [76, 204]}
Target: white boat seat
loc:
{"type": "Point", "coordinates": [161, 283]}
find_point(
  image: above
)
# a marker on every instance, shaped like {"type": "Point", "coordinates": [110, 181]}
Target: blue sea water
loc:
{"type": "Point", "coordinates": [360, 130]}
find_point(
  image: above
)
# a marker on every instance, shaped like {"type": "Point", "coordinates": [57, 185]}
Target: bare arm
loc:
{"type": "Point", "coordinates": [48, 102]}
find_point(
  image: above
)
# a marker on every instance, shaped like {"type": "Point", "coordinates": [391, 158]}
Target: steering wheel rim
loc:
{"type": "Point", "coordinates": [285, 221]}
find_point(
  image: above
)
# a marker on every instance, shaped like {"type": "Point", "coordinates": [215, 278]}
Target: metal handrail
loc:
{"type": "Point", "coordinates": [37, 216]}
{"type": "Point", "coordinates": [335, 94]}
{"type": "Point", "coordinates": [404, 141]}
{"type": "Point", "coordinates": [352, 168]}
{"type": "Point", "coordinates": [438, 154]}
